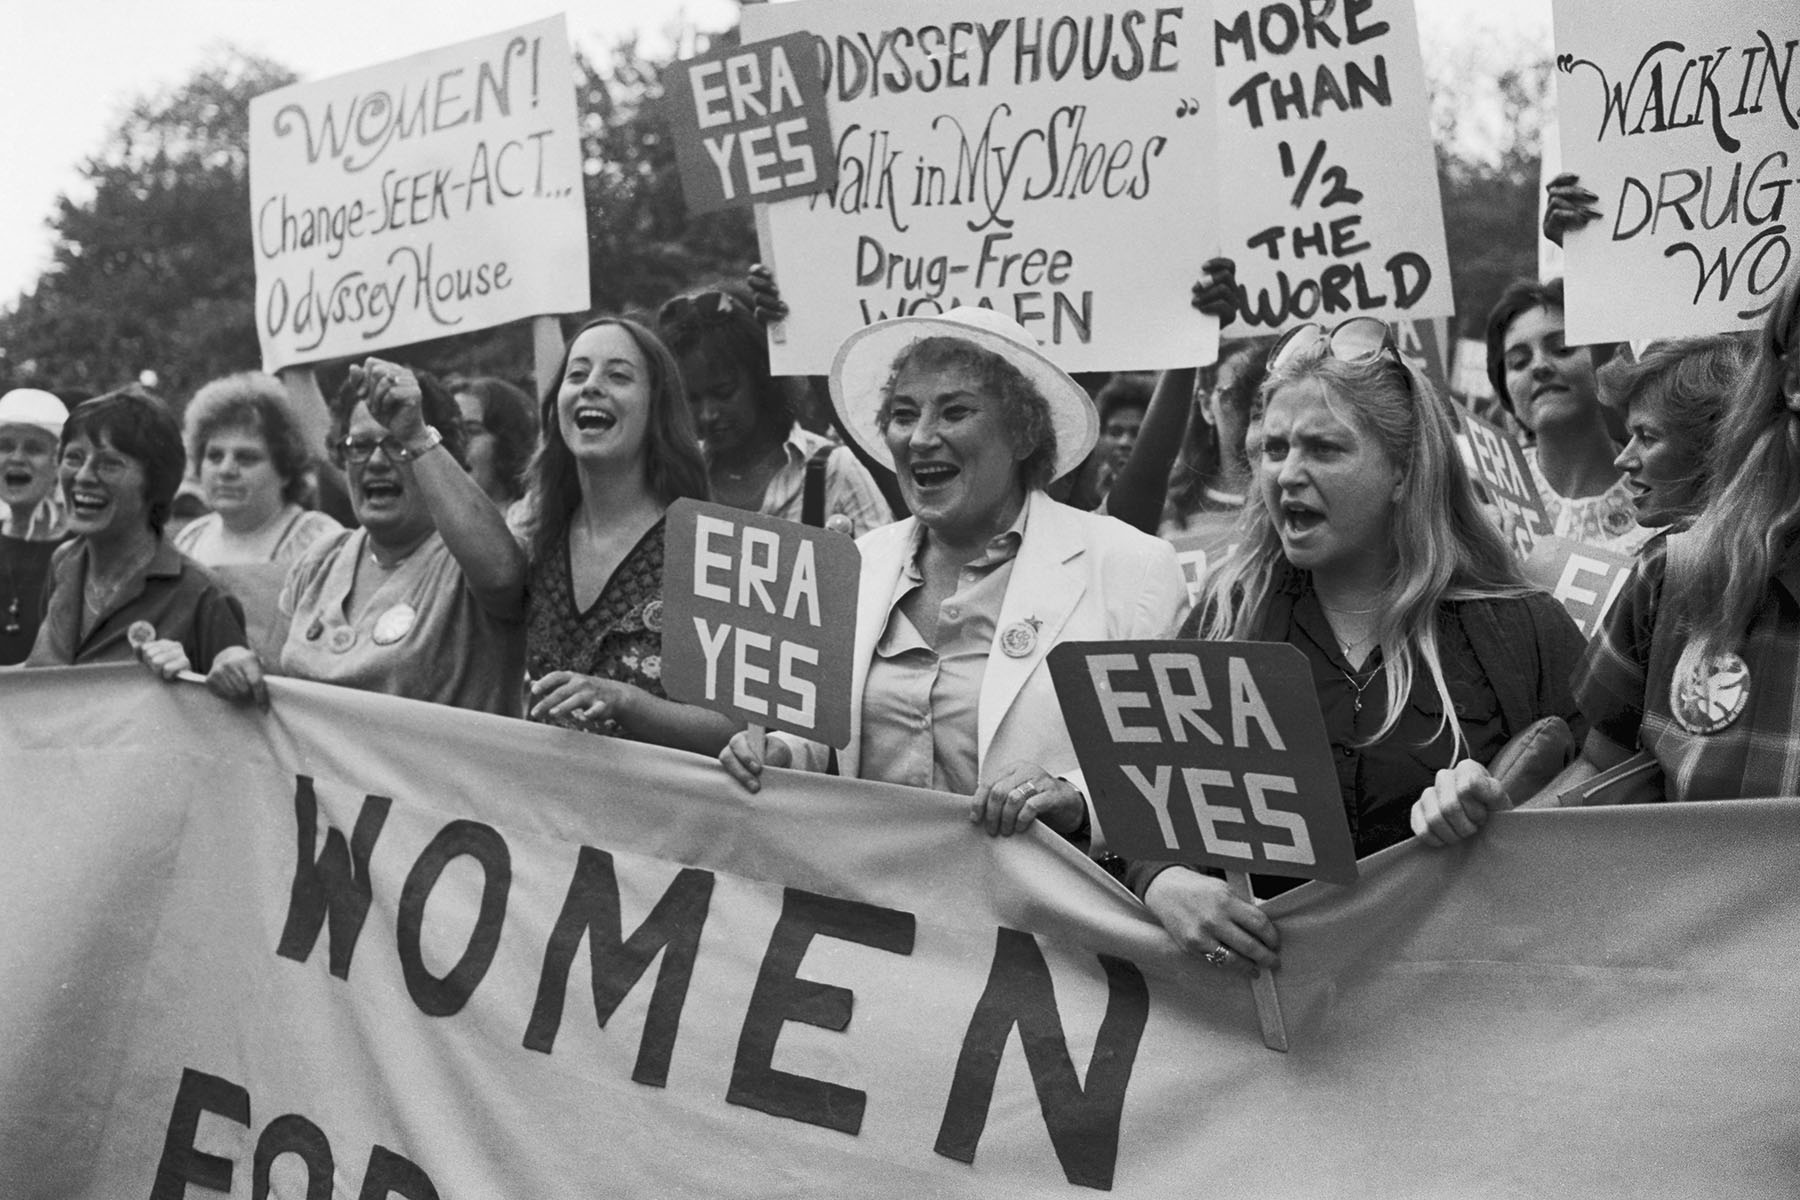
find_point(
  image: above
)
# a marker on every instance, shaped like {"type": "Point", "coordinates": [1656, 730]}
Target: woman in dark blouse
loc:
{"type": "Point", "coordinates": [1368, 552]}
{"type": "Point", "coordinates": [618, 448]}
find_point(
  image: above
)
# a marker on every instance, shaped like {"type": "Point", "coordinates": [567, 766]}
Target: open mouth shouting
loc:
{"type": "Point", "coordinates": [382, 491]}
{"type": "Point", "coordinates": [1299, 519]}
{"type": "Point", "coordinates": [15, 480]}
{"type": "Point", "coordinates": [928, 476]}
{"type": "Point", "coordinates": [592, 418]}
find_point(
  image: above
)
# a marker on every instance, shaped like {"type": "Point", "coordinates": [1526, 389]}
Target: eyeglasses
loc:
{"type": "Point", "coordinates": [1355, 340]}
{"type": "Point", "coordinates": [360, 450]}
{"type": "Point", "coordinates": [707, 306]}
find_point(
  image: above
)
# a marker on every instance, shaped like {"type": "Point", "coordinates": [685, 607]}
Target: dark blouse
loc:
{"type": "Point", "coordinates": [24, 570]}
{"type": "Point", "coordinates": [620, 635]}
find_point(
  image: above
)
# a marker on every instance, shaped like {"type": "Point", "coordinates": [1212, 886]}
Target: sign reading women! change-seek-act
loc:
{"type": "Point", "coordinates": [432, 195]}
{"type": "Point", "coordinates": [1052, 163]}
{"type": "Point", "coordinates": [1328, 183]}
{"type": "Point", "coordinates": [1683, 117]}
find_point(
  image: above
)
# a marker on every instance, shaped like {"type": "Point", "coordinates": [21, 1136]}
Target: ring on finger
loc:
{"type": "Point", "coordinates": [1218, 956]}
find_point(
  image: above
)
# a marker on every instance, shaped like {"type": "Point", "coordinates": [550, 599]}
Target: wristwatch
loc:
{"type": "Point", "coordinates": [433, 439]}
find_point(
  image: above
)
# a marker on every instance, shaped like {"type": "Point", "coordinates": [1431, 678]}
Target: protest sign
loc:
{"type": "Point", "coordinates": [759, 619]}
{"type": "Point", "coordinates": [1502, 466]}
{"type": "Point", "coordinates": [1053, 166]}
{"type": "Point", "coordinates": [1680, 115]}
{"type": "Point", "coordinates": [1425, 343]}
{"type": "Point", "coordinates": [432, 195]}
{"type": "Point", "coordinates": [1200, 552]}
{"type": "Point", "coordinates": [1206, 752]}
{"type": "Point", "coordinates": [363, 946]}
{"type": "Point", "coordinates": [1585, 579]}
{"type": "Point", "coordinates": [1329, 197]}
{"type": "Point", "coordinates": [750, 125]}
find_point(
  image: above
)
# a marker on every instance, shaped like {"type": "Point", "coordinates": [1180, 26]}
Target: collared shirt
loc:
{"type": "Point", "coordinates": [1624, 680]}
{"type": "Point", "coordinates": [849, 488]}
{"type": "Point", "coordinates": [178, 598]}
{"type": "Point", "coordinates": [921, 707]}
{"type": "Point", "coordinates": [421, 634]}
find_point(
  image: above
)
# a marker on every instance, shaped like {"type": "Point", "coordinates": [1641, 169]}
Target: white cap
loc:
{"type": "Point", "coordinates": [34, 407]}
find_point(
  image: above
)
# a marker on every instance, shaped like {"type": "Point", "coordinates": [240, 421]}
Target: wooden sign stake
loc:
{"type": "Point", "coordinates": [1268, 1004]}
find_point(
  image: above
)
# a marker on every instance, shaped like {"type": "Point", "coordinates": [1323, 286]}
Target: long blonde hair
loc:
{"type": "Point", "coordinates": [1751, 521]}
{"type": "Point", "coordinates": [1444, 547]}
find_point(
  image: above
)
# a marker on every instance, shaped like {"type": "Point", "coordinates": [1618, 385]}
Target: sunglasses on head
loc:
{"type": "Point", "coordinates": [1356, 340]}
{"type": "Point", "coordinates": [706, 306]}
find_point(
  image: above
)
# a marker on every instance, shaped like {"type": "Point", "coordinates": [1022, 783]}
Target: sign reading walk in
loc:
{"type": "Point", "coordinates": [1052, 163]}
{"type": "Point", "coordinates": [759, 619]}
{"type": "Point", "coordinates": [1683, 117]}
{"type": "Point", "coordinates": [1207, 752]}
{"type": "Point", "coordinates": [365, 947]}
{"type": "Point", "coordinates": [1329, 196]}
{"type": "Point", "coordinates": [433, 195]}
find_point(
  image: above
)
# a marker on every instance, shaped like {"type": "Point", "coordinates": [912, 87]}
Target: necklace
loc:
{"type": "Point", "coordinates": [393, 565]}
{"type": "Point", "coordinates": [1356, 704]}
{"type": "Point", "coordinates": [1349, 612]}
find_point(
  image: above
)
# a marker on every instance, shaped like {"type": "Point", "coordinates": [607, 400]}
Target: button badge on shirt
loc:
{"type": "Point", "coordinates": [1712, 696]}
{"type": "Point", "coordinates": [340, 639]}
{"type": "Point", "coordinates": [394, 624]}
{"type": "Point", "coordinates": [1019, 639]}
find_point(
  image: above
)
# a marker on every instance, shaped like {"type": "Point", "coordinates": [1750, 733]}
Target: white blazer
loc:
{"type": "Point", "coordinates": [1079, 576]}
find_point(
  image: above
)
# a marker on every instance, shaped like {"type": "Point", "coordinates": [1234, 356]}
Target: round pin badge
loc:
{"type": "Point", "coordinates": [1712, 696]}
{"type": "Point", "coordinates": [340, 639]}
{"type": "Point", "coordinates": [1019, 639]}
{"type": "Point", "coordinates": [140, 634]}
{"type": "Point", "coordinates": [394, 624]}
{"type": "Point", "coordinates": [653, 616]}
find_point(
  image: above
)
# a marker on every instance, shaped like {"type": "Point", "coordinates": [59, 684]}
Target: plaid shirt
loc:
{"type": "Point", "coordinates": [1624, 690]}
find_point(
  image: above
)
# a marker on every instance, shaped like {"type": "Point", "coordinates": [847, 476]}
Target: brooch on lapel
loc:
{"type": "Point", "coordinates": [1019, 639]}
{"type": "Point", "coordinates": [653, 615]}
{"type": "Point", "coordinates": [140, 634]}
{"type": "Point", "coordinates": [1713, 696]}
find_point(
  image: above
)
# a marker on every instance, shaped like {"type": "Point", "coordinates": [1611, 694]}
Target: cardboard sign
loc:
{"type": "Point", "coordinates": [759, 619]}
{"type": "Point", "coordinates": [437, 194]}
{"type": "Point", "coordinates": [750, 125]}
{"type": "Point", "coordinates": [1501, 464]}
{"type": "Point", "coordinates": [1426, 343]}
{"type": "Point", "coordinates": [1207, 752]}
{"type": "Point", "coordinates": [1585, 579]}
{"type": "Point", "coordinates": [994, 155]}
{"type": "Point", "coordinates": [1329, 196]}
{"type": "Point", "coordinates": [1199, 552]}
{"type": "Point", "coordinates": [1680, 115]}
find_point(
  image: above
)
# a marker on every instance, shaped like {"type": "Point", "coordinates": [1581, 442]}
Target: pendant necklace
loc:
{"type": "Point", "coordinates": [1356, 703]}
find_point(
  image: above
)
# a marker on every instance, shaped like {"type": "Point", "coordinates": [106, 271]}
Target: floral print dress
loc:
{"type": "Point", "coordinates": [619, 637]}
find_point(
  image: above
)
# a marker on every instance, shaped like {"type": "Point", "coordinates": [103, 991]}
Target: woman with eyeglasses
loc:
{"type": "Point", "coordinates": [117, 590]}
{"type": "Point", "coordinates": [425, 599]}
{"type": "Point", "coordinates": [758, 457]}
{"type": "Point", "coordinates": [618, 448]}
{"type": "Point", "coordinates": [1365, 548]}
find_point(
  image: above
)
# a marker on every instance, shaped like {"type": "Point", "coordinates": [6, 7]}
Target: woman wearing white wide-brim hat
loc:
{"type": "Point", "coordinates": [959, 605]}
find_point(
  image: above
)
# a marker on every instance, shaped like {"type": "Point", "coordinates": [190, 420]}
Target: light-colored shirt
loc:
{"type": "Point", "coordinates": [1608, 520]}
{"type": "Point", "coordinates": [284, 539]}
{"type": "Point", "coordinates": [849, 488]}
{"type": "Point", "coordinates": [921, 707]}
{"type": "Point", "coordinates": [422, 633]}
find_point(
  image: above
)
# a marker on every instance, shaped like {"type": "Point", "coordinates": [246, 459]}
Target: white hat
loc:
{"type": "Point", "coordinates": [30, 406]}
{"type": "Point", "coordinates": [866, 359]}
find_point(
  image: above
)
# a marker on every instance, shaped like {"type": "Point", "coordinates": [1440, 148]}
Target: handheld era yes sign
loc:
{"type": "Point", "coordinates": [759, 619]}
{"type": "Point", "coordinates": [1584, 579]}
{"type": "Point", "coordinates": [750, 124]}
{"type": "Point", "coordinates": [1207, 752]}
{"type": "Point", "coordinates": [1502, 467]}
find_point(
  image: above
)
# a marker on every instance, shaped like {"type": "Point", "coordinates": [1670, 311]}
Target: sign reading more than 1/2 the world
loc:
{"type": "Point", "coordinates": [1206, 752]}
{"type": "Point", "coordinates": [1329, 197]}
{"type": "Point", "coordinates": [1054, 164]}
{"type": "Point", "coordinates": [436, 194]}
{"type": "Point", "coordinates": [750, 125]}
{"type": "Point", "coordinates": [759, 619]}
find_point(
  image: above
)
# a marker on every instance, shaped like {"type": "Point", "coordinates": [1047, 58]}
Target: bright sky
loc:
{"type": "Point", "coordinates": [69, 69]}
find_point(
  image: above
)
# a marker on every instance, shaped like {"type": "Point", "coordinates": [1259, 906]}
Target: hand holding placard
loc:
{"type": "Point", "coordinates": [759, 616]}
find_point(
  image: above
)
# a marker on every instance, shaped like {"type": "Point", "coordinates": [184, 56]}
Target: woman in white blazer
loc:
{"type": "Point", "coordinates": [959, 605]}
